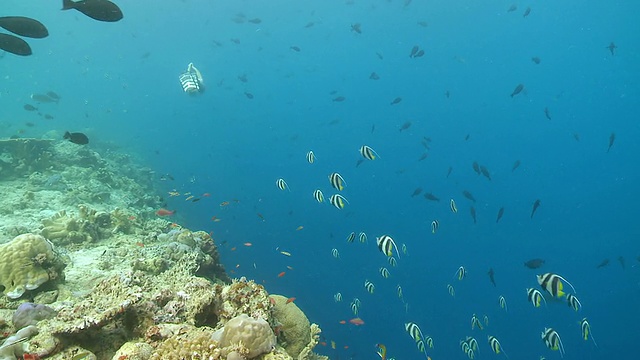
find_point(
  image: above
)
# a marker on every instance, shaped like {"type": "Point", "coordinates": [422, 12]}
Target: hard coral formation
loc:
{"type": "Point", "coordinates": [292, 323]}
{"type": "Point", "coordinates": [254, 334]}
{"type": "Point", "coordinates": [27, 262]}
{"type": "Point", "coordinates": [20, 157]}
{"type": "Point", "coordinates": [242, 297]}
{"type": "Point", "coordinates": [29, 314]}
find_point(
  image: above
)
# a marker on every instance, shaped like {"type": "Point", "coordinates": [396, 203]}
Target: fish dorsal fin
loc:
{"type": "Point", "coordinates": [565, 280]}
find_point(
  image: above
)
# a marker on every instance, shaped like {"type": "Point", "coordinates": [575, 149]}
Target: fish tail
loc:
{"type": "Point", "coordinates": [67, 4]}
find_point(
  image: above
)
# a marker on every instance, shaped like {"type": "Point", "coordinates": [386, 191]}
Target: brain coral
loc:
{"type": "Point", "coordinates": [254, 334]}
{"type": "Point", "coordinates": [294, 325]}
{"type": "Point", "coordinates": [25, 264]}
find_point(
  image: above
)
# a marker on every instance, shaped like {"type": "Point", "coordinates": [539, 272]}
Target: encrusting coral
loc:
{"type": "Point", "coordinates": [292, 323]}
{"type": "Point", "coordinates": [27, 262]}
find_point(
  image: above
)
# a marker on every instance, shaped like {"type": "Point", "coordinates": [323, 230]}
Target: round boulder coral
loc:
{"type": "Point", "coordinates": [26, 262]}
{"type": "Point", "coordinates": [254, 334]}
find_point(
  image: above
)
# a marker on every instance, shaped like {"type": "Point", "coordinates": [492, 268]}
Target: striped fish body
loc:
{"type": "Point", "coordinates": [351, 237]}
{"type": "Point", "coordinates": [337, 181]}
{"type": "Point", "coordinates": [281, 184]}
{"type": "Point", "coordinates": [386, 244]}
{"type": "Point", "coordinates": [311, 157]}
{"type": "Point", "coordinates": [367, 152]}
{"type": "Point", "coordinates": [495, 344]}
{"type": "Point", "coordinates": [552, 340]}
{"type": "Point", "coordinates": [534, 296]}
{"type": "Point", "coordinates": [338, 201]}
{"type": "Point", "coordinates": [573, 302]}
{"type": "Point", "coordinates": [413, 330]}
{"type": "Point", "coordinates": [362, 237]}
{"type": "Point", "coordinates": [318, 195]}
{"type": "Point", "coordinates": [551, 283]}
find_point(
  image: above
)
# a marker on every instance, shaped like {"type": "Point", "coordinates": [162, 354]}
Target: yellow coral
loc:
{"type": "Point", "coordinates": [21, 264]}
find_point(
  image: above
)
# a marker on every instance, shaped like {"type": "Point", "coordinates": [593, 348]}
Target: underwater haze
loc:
{"type": "Point", "coordinates": [432, 88]}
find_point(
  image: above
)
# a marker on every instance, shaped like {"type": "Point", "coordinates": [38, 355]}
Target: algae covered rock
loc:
{"type": "Point", "coordinates": [294, 325]}
{"type": "Point", "coordinates": [27, 262]}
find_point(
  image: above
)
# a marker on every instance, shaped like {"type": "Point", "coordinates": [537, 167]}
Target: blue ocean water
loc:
{"type": "Point", "coordinates": [119, 85]}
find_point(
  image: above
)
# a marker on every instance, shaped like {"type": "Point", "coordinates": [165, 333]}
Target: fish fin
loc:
{"type": "Point", "coordinates": [67, 4]}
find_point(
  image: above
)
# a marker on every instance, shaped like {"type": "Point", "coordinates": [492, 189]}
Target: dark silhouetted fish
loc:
{"type": "Point", "coordinates": [48, 117]}
{"type": "Point", "coordinates": [423, 23]}
{"type": "Point", "coordinates": [255, 21]}
{"type": "Point", "coordinates": [420, 53]}
{"type": "Point", "coordinates": [101, 10]}
{"type": "Point", "coordinates": [430, 196]}
{"type": "Point", "coordinates": [527, 11]}
{"type": "Point", "coordinates": [612, 139]}
{"type": "Point", "coordinates": [396, 101]}
{"type": "Point", "coordinates": [374, 76]}
{"type": "Point", "coordinates": [500, 213]}
{"type": "Point", "coordinates": [468, 195]}
{"type": "Point", "coordinates": [612, 47]}
{"type": "Point", "coordinates": [447, 94]}
{"type": "Point", "coordinates": [414, 50]}
{"type": "Point", "coordinates": [534, 263]}
{"type": "Point", "coordinates": [466, 138]}
{"type": "Point", "coordinates": [405, 126]}
{"type": "Point", "coordinates": [536, 205]}
{"type": "Point", "coordinates": [603, 263]}
{"type": "Point", "coordinates": [356, 27]}
{"type": "Point", "coordinates": [359, 162]}
{"type": "Point", "coordinates": [515, 165]}
{"type": "Point", "coordinates": [512, 8]}
{"type": "Point", "coordinates": [491, 278]}
{"type": "Point", "coordinates": [423, 156]}
{"type": "Point", "coordinates": [472, 211]}
{"type": "Point", "coordinates": [547, 114]}
{"type": "Point", "coordinates": [53, 95]}
{"type": "Point", "coordinates": [536, 60]}
{"type": "Point", "coordinates": [416, 192]}
{"type": "Point", "coordinates": [517, 90]}
{"type": "Point", "coordinates": [76, 138]}
{"type": "Point", "coordinates": [339, 99]}
{"type": "Point", "coordinates": [309, 24]}
{"type": "Point", "coordinates": [449, 171]}
{"type": "Point", "coordinates": [24, 26]}
{"type": "Point", "coordinates": [14, 45]}
{"type": "Point", "coordinates": [294, 48]}
{"type": "Point", "coordinates": [43, 98]}
{"type": "Point", "coordinates": [476, 167]}
{"type": "Point", "coordinates": [248, 95]}
{"type": "Point", "coordinates": [373, 128]}
{"type": "Point", "coordinates": [622, 263]}
{"type": "Point", "coordinates": [30, 107]}
{"type": "Point", "coordinates": [485, 172]}
{"type": "Point", "coordinates": [576, 136]}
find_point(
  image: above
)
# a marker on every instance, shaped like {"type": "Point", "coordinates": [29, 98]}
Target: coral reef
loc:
{"type": "Point", "coordinates": [136, 286]}
{"type": "Point", "coordinates": [254, 334]}
{"type": "Point", "coordinates": [27, 262]}
{"type": "Point", "coordinates": [29, 314]}
{"type": "Point", "coordinates": [292, 323]}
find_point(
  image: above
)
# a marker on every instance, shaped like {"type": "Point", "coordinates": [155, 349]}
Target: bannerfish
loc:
{"type": "Point", "coordinates": [101, 10]}
{"type": "Point", "coordinates": [24, 26]}
{"type": "Point", "coordinates": [76, 138]}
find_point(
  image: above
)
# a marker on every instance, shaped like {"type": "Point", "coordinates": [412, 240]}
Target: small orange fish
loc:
{"type": "Point", "coordinates": [299, 228]}
{"type": "Point", "coordinates": [357, 321]}
{"type": "Point", "coordinates": [281, 274]}
{"type": "Point", "coordinates": [247, 244]}
{"type": "Point", "coordinates": [224, 203]}
{"type": "Point", "coordinates": [139, 244]}
{"type": "Point", "coordinates": [206, 195]}
{"type": "Point", "coordinates": [346, 347]}
{"type": "Point", "coordinates": [290, 300]}
{"type": "Point", "coordinates": [233, 248]}
{"type": "Point", "coordinates": [132, 217]}
{"type": "Point", "coordinates": [323, 343]}
{"type": "Point", "coordinates": [165, 212]}
{"type": "Point", "coordinates": [342, 322]}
